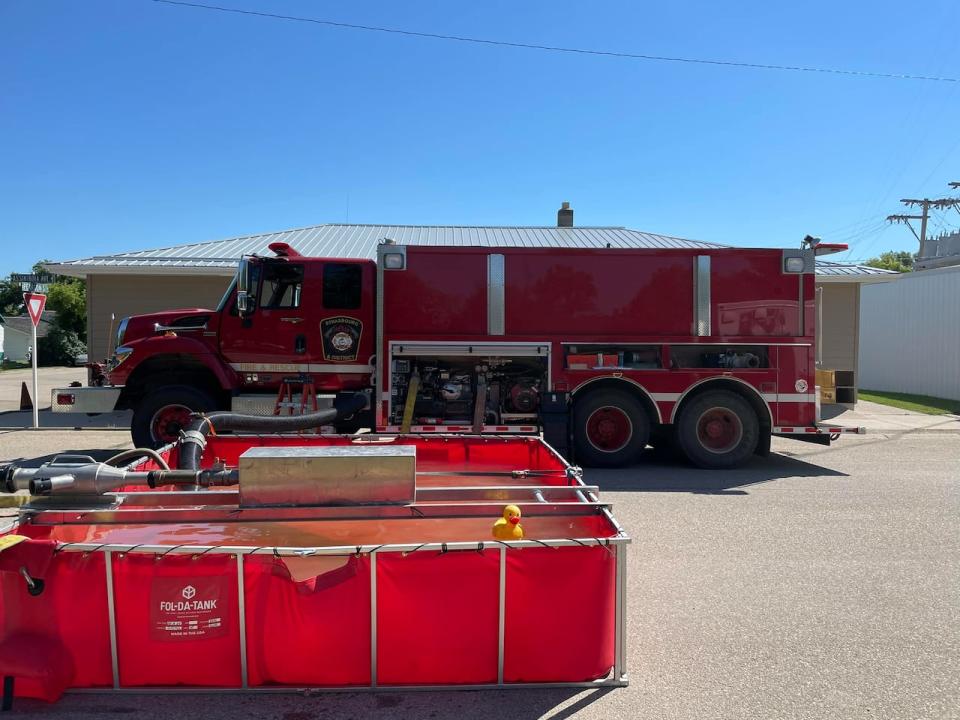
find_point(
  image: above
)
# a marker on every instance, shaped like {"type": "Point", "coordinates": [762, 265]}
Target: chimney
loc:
{"type": "Point", "coordinates": [565, 215]}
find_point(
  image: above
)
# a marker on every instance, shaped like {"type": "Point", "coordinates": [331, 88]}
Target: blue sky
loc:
{"type": "Point", "coordinates": [127, 124]}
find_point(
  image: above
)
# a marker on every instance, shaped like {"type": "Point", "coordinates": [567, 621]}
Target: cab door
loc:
{"type": "Point", "coordinates": [306, 316]}
{"type": "Point", "coordinates": [272, 336]}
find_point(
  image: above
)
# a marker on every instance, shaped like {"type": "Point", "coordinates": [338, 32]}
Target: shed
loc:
{"type": "Point", "coordinates": [910, 334]}
{"type": "Point", "coordinates": [197, 275]}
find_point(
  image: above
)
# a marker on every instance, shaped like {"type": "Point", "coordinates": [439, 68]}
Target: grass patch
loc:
{"type": "Point", "coordinates": [10, 365]}
{"type": "Point", "coordinates": [916, 403]}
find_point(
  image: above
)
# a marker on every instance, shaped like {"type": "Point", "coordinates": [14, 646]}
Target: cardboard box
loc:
{"type": "Point", "coordinates": [826, 379]}
{"type": "Point", "coordinates": [828, 396]}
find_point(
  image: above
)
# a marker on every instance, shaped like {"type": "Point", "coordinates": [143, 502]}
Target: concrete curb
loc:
{"type": "Point", "coordinates": [950, 429]}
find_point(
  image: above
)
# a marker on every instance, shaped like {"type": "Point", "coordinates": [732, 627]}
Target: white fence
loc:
{"type": "Point", "coordinates": [910, 334]}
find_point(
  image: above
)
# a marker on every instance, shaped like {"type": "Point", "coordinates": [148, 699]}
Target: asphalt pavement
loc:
{"type": "Point", "coordinates": [816, 583]}
{"type": "Point", "coordinates": [47, 379]}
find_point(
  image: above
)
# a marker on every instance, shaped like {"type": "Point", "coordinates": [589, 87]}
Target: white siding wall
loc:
{"type": "Point", "coordinates": [15, 345]}
{"type": "Point", "coordinates": [910, 334]}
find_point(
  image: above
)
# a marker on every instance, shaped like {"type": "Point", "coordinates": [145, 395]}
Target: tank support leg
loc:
{"type": "Point", "coordinates": [502, 613]}
{"type": "Point", "coordinates": [620, 621]}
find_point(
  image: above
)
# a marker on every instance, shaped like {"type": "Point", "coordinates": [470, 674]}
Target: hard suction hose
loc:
{"type": "Point", "coordinates": [194, 438]}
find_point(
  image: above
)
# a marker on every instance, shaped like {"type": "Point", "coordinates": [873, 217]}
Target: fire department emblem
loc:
{"type": "Point", "coordinates": [341, 338]}
{"type": "Point", "coordinates": [342, 341]}
{"type": "Point", "coordinates": [801, 385]}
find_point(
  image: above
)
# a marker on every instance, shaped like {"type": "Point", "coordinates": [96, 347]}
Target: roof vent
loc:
{"type": "Point", "coordinates": [565, 215]}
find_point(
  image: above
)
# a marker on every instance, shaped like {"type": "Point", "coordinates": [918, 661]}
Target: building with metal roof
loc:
{"type": "Point", "coordinates": [196, 274]}
{"type": "Point", "coordinates": [829, 271]}
{"type": "Point", "coordinates": [360, 241]}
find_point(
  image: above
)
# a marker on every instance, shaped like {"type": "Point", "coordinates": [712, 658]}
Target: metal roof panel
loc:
{"type": "Point", "coordinates": [361, 240]}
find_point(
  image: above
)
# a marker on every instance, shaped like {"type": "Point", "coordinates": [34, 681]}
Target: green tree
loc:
{"type": "Point", "coordinates": [897, 260]}
{"type": "Point", "coordinates": [59, 347]}
{"type": "Point", "coordinates": [68, 297]}
{"type": "Point", "coordinates": [11, 298]}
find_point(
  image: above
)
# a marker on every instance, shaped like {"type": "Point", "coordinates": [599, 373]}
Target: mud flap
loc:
{"type": "Point", "coordinates": [763, 443]}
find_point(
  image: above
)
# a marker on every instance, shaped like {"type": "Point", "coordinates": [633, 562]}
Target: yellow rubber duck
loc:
{"type": "Point", "coordinates": [508, 527]}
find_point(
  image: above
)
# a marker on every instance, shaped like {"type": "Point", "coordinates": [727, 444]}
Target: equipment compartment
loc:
{"type": "Point", "coordinates": [621, 357]}
{"type": "Point", "coordinates": [740, 357]}
{"type": "Point", "coordinates": [451, 389]}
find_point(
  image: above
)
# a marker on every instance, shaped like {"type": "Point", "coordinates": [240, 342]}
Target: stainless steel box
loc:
{"type": "Point", "coordinates": [329, 475]}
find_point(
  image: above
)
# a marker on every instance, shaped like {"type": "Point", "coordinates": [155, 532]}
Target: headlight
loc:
{"type": "Point", "coordinates": [121, 354]}
{"type": "Point", "coordinates": [121, 329]}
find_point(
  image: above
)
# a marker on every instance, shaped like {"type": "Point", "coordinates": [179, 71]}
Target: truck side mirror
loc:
{"type": "Point", "coordinates": [244, 299]}
{"type": "Point", "coordinates": [243, 275]}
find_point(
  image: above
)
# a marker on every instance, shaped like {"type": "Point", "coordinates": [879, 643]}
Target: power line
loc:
{"type": "Point", "coordinates": [557, 48]}
{"type": "Point", "coordinates": [864, 252]}
{"type": "Point", "coordinates": [925, 205]}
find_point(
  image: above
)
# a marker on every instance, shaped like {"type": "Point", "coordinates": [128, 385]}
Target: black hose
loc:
{"type": "Point", "coordinates": [194, 438]}
{"type": "Point", "coordinates": [203, 478]}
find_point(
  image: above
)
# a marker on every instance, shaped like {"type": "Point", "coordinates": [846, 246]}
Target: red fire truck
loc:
{"type": "Point", "coordinates": [604, 350]}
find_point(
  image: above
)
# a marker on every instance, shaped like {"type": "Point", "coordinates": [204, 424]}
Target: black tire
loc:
{"type": "Point", "coordinates": [145, 414]}
{"type": "Point", "coordinates": [718, 430]}
{"type": "Point", "coordinates": [613, 440]}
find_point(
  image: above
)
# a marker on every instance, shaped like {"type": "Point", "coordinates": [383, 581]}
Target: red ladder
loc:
{"type": "Point", "coordinates": [307, 398]}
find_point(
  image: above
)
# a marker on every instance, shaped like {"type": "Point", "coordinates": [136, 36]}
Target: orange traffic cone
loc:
{"type": "Point", "coordinates": [25, 402]}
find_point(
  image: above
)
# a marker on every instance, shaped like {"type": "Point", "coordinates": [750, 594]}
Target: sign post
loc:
{"type": "Point", "coordinates": [35, 303]}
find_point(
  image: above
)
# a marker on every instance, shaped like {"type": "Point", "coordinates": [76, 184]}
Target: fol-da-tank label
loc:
{"type": "Point", "coordinates": [188, 608]}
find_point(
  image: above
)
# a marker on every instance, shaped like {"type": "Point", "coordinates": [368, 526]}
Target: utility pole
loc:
{"type": "Point", "coordinates": [925, 204]}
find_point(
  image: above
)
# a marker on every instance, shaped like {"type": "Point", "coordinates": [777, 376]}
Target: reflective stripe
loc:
{"type": "Point", "coordinates": [496, 311]}
{"type": "Point", "coordinates": [462, 428]}
{"type": "Point", "coordinates": [300, 368]}
{"type": "Point", "coordinates": [769, 397]}
{"type": "Point", "coordinates": [702, 307]}
{"type": "Point", "coordinates": [789, 397]}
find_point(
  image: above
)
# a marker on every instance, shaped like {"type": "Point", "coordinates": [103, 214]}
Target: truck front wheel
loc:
{"type": "Point", "coordinates": [610, 429]}
{"type": "Point", "coordinates": [160, 416]}
{"type": "Point", "coordinates": [718, 430]}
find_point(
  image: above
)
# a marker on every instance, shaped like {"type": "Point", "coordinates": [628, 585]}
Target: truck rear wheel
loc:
{"type": "Point", "coordinates": [718, 430]}
{"type": "Point", "coordinates": [610, 429]}
{"type": "Point", "coordinates": [161, 415]}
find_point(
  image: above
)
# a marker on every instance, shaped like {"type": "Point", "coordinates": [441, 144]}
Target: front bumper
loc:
{"type": "Point", "coordinates": [85, 399]}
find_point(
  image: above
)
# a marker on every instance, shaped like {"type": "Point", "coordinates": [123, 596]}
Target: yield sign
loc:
{"type": "Point", "coordinates": [34, 303]}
